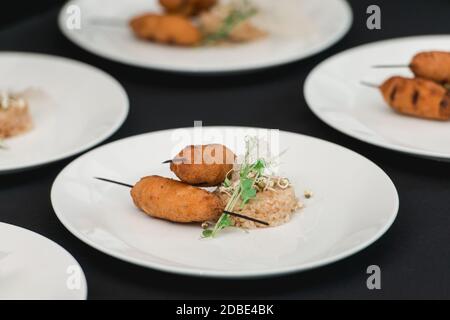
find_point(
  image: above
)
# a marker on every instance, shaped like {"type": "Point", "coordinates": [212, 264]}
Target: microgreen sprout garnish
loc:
{"type": "Point", "coordinates": [2, 144]}
{"type": "Point", "coordinates": [250, 178]}
{"type": "Point", "coordinates": [239, 13]}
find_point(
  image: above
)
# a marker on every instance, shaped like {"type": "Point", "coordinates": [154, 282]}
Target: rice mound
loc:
{"type": "Point", "coordinates": [275, 207]}
{"type": "Point", "coordinates": [14, 121]}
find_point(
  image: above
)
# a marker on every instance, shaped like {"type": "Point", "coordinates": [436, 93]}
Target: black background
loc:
{"type": "Point", "coordinates": [414, 255]}
{"type": "Point", "coordinates": [14, 11]}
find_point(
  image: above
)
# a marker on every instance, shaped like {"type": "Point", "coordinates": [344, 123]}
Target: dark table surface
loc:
{"type": "Point", "coordinates": [414, 255]}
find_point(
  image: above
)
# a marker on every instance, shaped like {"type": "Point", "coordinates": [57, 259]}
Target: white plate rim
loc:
{"type": "Point", "coordinates": [385, 145]}
{"type": "Point", "coordinates": [119, 121]}
{"type": "Point", "coordinates": [84, 293]}
{"type": "Point", "coordinates": [217, 70]}
{"type": "Point", "coordinates": [228, 274]}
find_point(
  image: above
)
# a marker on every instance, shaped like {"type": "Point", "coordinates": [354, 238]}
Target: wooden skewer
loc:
{"type": "Point", "coordinates": [227, 212]}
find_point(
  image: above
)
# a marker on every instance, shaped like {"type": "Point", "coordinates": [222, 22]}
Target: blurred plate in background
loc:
{"type": "Point", "coordinates": [33, 267]}
{"type": "Point", "coordinates": [73, 106]}
{"type": "Point", "coordinates": [297, 29]}
{"type": "Point", "coordinates": [335, 94]}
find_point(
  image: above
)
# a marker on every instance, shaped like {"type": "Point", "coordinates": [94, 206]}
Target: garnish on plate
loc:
{"type": "Point", "coordinates": [230, 22]}
{"type": "Point", "coordinates": [247, 195]}
{"type": "Point", "coordinates": [250, 189]}
{"type": "Point", "coordinates": [15, 117]}
{"type": "Point", "coordinates": [192, 23]}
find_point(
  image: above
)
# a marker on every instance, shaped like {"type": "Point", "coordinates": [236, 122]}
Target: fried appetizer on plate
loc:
{"type": "Point", "coordinates": [187, 7]}
{"type": "Point", "coordinates": [417, 97]}
{"type": "Point", "coordinates": [203, 165]}
{"type": "Point", "coordinates": [168, 29]}
{"type": "Point", "coordinates": [175, 201]}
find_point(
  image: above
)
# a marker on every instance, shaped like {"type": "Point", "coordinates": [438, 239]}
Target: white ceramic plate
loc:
{"type": "Point", "coordinates": [74, 106]}
{"type": "Point", "coordinates": [354, 203]}
{"type": "Point", "coordinates": [33, 267]}
{"type": "Point", "coordinates": [298, 29]}
{"type": "Point", "coordinates": [334, 93]}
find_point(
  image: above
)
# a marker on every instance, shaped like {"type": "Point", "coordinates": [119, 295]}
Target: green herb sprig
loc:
{"type": "Point", "coordinates": [248, 175]}
{"type": "Point", "coordinates": [2, 144]}
{"type": "Point", "coordinates": [236, 16]}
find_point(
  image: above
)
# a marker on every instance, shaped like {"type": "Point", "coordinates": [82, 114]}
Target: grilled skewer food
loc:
{"type": "Point", "coordinates": [417, 97]}
{"type": "Point", "coordinates": [262, 199]}
{"type": "Point", "coordinates": [205, 165]}
{"type": "Point", "coordinates": [433, 65]}
{"type": "Point", "coordinates": [15, 117]}
{"type": "Point", "coordinates": [168, 29]}
{"type": "Point", "coordinates": [198, 22]}
{"type": "Point", "coordinates": [186, 7]}
{"type": "Point", "coordinates": [175, 201]}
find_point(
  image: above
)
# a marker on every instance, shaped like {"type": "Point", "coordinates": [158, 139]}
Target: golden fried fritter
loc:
{"type": "Point", "coordinates": [169, 29]}
{"type": "Point", "coordinates": [187, 7]}
{"type": "Point", "coordinates": [432, 65]}
{"type": "Point", "coordinates": [417, 97]}
{"type": "Point", "coordinates": [175, 201]}
{"type": "Point", "coordinates": [205, 165]}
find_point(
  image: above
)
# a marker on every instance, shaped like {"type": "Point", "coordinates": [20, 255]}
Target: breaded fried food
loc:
{"type": "Point", "coordinates": [175, 201]}
{"type": "Point", "coordinates": [15, 117]}
{"type": "Point", "coordinates": [417, 97]}
{"type": "Point", "coordinates": [432, 65]}
{"type": "Point", "coordinates": [204, 165]}
{"type": "Point", "coordinates": [168, 29]}
{"type": "Point", "coordinates": [187, 7]}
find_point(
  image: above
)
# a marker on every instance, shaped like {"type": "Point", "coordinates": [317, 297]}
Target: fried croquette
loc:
{"type": "Point", "coordinates": [204, 165]}
{"type": "Point", "coordinates": [187, 7]}
{"type": "Point", "coordinates": [168, 29]}
{"type": "Point", "coordinates": [175, 201]}
{"type": "Point", "coordinates": [417, 97]}
{"type": "Point", "coordinates": [433, 65]}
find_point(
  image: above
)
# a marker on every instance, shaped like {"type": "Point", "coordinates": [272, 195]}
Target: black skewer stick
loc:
{"type": "Point", "coordinates": [245, 217]}
{"type": "Point", "coordinates": [115, 182]}
{"type": "Point", "coordinates": [107, 22]}
{"type": "Point", "coordinates": [368, 84]}
{"type": "Point", "coordinates": [382, 66]}
{"type": "Point", "coordinates": [174, 160]}
{"type": "Point", "coordinates": [227, 212]}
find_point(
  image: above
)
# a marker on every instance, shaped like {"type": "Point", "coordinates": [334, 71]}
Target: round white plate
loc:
{"type": "Point", "coordinates": [74, 106]}
{"type": "Point", "coordinates": [334, 93]}
{"type": "Point", "coordinates": [33, 267]}
{"type": "Point", "coordinates": [298, 29]}
{"type": "Point", "coordinates": [354, 203]}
